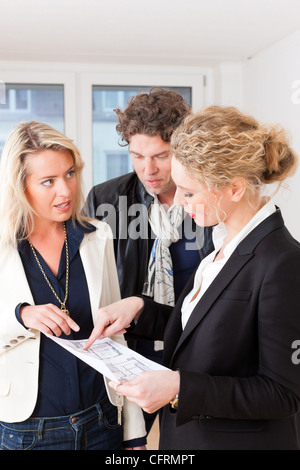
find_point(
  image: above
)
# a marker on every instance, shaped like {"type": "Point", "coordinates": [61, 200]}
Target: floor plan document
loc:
{"type": "Point", "coordinates": [112, 359]}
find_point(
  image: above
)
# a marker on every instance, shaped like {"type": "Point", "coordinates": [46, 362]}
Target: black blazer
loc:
{"type": "Point", "coordinates": [239, 388]}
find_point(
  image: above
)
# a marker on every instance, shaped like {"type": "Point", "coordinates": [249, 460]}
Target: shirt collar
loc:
{"type": "Point", "coordinates": [75, 231]}
{"type": "Point", "coordinates": [220, 231]}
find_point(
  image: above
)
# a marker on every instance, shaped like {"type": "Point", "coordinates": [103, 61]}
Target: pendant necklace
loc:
{"type": "Point", "coordinates": [62, 303]}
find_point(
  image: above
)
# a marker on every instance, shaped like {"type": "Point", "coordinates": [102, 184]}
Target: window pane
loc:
{"type": "Point", "coordinates": [109, 158]}
{"type": "Point", "coordinates": [117, 164]}
{"type": "Point", "coordinates": [44, 103]}
{"type": "Point", "coordinates": [22, 99]}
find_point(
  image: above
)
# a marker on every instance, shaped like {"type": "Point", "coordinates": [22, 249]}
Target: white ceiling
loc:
{"type": "Point", "coordinates": [170, 32]}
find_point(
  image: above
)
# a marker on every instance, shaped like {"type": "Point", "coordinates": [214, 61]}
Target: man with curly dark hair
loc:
{"type": "Point", "coordinates": [157, 247]}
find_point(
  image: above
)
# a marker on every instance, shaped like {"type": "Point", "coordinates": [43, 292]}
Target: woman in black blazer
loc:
{"type": "Point", "coordinates": [230, 341]}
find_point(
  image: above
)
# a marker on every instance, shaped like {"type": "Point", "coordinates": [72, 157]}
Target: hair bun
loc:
{"type": "Point", "coordinates": [281, 160]}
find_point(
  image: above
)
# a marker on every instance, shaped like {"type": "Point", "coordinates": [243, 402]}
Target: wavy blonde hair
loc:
{"type": "Point", "coordinates": [16, 214]}
{"type": "Point", "coordinates": [221, 143]}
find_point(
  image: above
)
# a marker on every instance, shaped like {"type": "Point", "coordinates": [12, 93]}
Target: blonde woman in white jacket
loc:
{"type": "Point", "coordinates": [57, 270]}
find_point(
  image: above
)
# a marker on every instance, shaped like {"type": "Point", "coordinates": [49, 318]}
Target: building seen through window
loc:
{"type": "Point", "coordinates": [22, 102]}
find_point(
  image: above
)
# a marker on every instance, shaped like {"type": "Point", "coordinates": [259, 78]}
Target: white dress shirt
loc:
{"type": "Point", "coordinates": [209, 269]}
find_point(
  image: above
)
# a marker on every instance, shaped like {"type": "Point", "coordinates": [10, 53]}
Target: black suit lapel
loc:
{"type": "Point", "coordinates": [229, 271]}
{"type": "Point", "coordinates": [173, 330]}
{"type": "Point", "coordinates": [238, 259]}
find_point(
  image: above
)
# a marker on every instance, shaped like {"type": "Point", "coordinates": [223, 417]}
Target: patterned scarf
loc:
{"type": "Point", "coordinates": [159, 284]}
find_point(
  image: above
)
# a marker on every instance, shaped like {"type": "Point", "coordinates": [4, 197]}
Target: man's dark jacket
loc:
{"type": "Point", "coordinates": [123, 203]}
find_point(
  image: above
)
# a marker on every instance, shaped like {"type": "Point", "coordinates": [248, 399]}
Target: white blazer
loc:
{"type": "Point", "coordinates": [19, 347]}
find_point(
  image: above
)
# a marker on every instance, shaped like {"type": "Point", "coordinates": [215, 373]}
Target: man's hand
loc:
{"type": "Point", "coordinates": [115, 318]}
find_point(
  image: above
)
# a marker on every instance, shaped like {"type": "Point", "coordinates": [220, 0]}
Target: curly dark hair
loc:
{"type": "Point", "coordinates": [158, 112]}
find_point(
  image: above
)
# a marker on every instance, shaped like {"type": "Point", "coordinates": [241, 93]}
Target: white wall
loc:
{"type": "Point", "coordinates": [228, 84]}
{"type": "Point", "coordinates": [271, 93]}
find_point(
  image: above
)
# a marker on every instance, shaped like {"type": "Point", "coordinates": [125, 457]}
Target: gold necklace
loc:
{"type": "Point", "coordinates": [62, 303]}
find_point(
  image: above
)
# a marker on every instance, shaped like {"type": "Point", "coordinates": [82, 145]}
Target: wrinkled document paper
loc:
{"type": "Point", "coordinates": [110, 358]}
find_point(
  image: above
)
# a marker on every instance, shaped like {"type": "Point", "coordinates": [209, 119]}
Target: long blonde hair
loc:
{"type": "Point", "coordinates": [16, 214]}
{"type": "Point", "coordinates": [221, 143]}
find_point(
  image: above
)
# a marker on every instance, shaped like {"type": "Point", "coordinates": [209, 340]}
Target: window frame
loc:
{"type": "Point", "coordinates": [67, 79]}
{"type": "Point", "coordinates": [12, 107]}
{"type": "Point", "coordinates": [194, 78]}
{"type": "Point", "coordinates": [79, 78]}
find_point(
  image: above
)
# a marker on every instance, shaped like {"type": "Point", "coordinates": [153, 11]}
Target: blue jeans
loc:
{"type": "Point", "coordinates": [95, 428]}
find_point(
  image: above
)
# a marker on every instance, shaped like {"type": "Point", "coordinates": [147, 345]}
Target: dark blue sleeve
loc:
{"type": "Point", "coordinates": [17, 312]}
